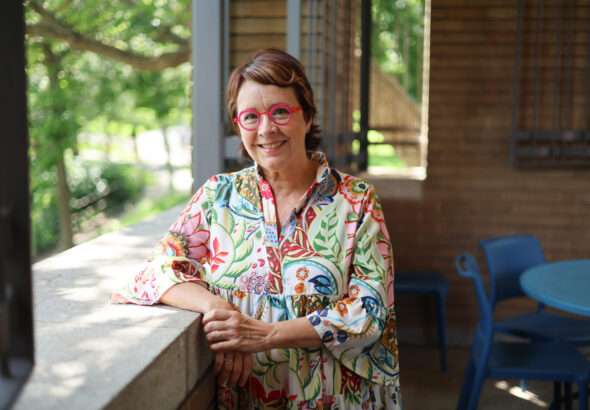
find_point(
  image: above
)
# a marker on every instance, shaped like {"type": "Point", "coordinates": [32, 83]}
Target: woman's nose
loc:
{"type": "Point", "coordinates": [265, 125]}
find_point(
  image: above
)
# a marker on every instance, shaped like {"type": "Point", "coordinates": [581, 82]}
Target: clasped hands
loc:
{"type": "Point", "coordinates": [234, 337]}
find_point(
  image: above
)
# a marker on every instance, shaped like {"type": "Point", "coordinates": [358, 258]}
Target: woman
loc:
{"type": "Point", "coordinates": [289, 261]}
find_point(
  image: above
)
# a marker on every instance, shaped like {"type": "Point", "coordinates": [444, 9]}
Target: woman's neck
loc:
{"type": "Point", "coordinates": [292, 181]}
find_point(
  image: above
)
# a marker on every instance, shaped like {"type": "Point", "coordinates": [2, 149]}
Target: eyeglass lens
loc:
{"type": "Point", "coordinates": [279, 115]}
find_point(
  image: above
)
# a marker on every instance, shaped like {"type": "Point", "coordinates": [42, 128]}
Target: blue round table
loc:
{"type": "Point", "coordinates": [562, 285]}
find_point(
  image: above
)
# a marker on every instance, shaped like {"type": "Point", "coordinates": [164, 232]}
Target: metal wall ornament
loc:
{"type": "Point", "coordinates": [551, 86]}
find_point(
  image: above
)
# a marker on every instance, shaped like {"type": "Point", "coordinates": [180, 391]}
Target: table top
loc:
{"type": "Point", "coordinates": [564, 285]}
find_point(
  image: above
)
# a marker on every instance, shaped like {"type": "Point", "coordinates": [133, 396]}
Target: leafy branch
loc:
{"type": "Point", "coordinates": [49, 25]}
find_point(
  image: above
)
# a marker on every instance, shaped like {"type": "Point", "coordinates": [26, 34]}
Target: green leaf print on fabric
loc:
{"type": "Point", "coordinates": [368, 259]}
{"type": "Point", "coordinates": [268, 365]}
{"type": "Point", "coordinates": [326, 241]}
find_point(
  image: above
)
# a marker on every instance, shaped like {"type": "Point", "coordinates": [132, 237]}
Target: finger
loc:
{"type": "Point", "coordinates": [216, 314]}
{"type": "Point", "coordinates": [226, 368]}
{"type": "Point", "coordinates": [227, 346]}
{"type": "Point", "coordinates": [247, 362]}
{"type": "Point", "coordinates": [220, 336]}
{"type": "Point", "coordinates": [219, 356]}
{"type": "Point", "coordinates": [215, 325]}
{"type": "Point", "coordinates": [236, 370]}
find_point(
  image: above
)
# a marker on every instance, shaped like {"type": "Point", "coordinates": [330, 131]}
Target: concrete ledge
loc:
{"type": "Point", "coordinates": [202, 397]}
{"type": "Point", "coordinates": [93, 355]}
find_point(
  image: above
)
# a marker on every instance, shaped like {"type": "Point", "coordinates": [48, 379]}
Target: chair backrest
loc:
{"type": "Point", "coordinates": [507, 257]}
{"type": "Point", "coordinates": [467, 266]}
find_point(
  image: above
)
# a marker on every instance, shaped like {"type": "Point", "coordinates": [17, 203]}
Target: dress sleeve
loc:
{"type": "Point", "coordinates": [360, 329]}
{"type": "Point", "coordinates": [180, 256]}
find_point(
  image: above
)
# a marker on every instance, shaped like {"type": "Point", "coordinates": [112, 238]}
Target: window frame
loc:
{"type": "Point", "coordinates": [16, 311]}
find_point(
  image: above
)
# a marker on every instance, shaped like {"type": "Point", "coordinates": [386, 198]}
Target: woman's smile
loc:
{"type": "Point", "coordinates": [272, 147]}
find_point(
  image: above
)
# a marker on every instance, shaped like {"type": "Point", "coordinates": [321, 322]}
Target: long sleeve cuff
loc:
{"type": "Point", "coordinates": [364, 341]}
{"type": "Point", "coordinates": [157, 276]}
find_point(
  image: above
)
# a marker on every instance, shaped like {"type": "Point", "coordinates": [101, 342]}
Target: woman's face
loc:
{"type": "Point", "coordinates": [274, 147]}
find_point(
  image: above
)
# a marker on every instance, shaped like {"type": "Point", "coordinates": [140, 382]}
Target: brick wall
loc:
{"type": "Point", "coordinates": [472, 191]}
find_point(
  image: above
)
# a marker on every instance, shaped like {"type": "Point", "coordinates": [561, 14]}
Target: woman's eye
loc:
{"type": "Point", "coordinates": [280, 111]}
{"type": "Point", "coordinates": [250, 117]}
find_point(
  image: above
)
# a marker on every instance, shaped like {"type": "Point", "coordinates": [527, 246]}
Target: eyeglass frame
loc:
{"type": "Point", "coordinates": [291, 109]}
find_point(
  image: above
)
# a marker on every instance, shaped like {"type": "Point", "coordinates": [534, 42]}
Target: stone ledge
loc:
{"type": "Point", "coordinates": [90, 354]}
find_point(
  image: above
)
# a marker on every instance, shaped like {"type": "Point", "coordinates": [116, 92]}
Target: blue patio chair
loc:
{"type": "Point", "coordinates": [507, 258]}
{"type": "Point", "coordinates": [532, 360]}
{"type": "Point", "coordinates": [433, 284]}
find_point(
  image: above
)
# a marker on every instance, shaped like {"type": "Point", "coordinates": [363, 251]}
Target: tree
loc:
{"type": "Point", "coordinates": [70, 83]}
{"type": "Point", "coordinates": [53, 91]}
{"type": "Point", "coordinates": [397, 39]}
{"type": "Point", "coordinates": [142, 34]}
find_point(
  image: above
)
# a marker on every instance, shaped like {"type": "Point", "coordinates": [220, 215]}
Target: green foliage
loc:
{"type": "Point", "coordinates": [79, 82]}
{"type": "Point", "coordinates": [44, 218]}
{"type": "Point", "coordinates": [116, 184]}
{"type": "Point", "coordinates": [95, 187]}
{"type": "Point", "coordinates": [397, 37]}
{"type": "Point", "coordinates": [380, 155]}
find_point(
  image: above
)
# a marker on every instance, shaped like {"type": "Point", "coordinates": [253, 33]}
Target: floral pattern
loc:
{"type": "Point", "coordinates": [332, 263]}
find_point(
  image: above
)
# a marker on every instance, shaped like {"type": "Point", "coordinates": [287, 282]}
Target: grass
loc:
{"type": "Point", "coordinates": [148, 207]}
{"type": "Point", "coordinates": [382, 155]}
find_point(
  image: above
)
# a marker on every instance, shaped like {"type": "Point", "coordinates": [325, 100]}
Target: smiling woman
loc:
{"type": "Point", "coordinates": [289, 260]}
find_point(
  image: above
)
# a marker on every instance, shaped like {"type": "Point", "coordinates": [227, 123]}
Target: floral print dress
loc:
{"type": "Point", "coordinates": [332, 263]}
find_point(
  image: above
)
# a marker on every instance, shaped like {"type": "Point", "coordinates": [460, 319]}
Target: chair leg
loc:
{"type": "Point", "coordinates": [567, 395]}
{"type": "Point", "coordinates": [478, 382]}
{"type": "Point", "coordinates": [441, 324]}
{"type": "Point", "coordinates": [467, 384]}
{"type": "Point", "coordinates": [583, 395]}
{"type": "Point", "coordinates": [556, 395]}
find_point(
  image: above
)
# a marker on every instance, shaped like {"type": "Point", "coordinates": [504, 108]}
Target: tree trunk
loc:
{"type": "Point", "coordinates": [53, 64]}
{"type": "Point", "coordinates": [135, 145]}
{"type": "Point", "coordinates": [63, 203]}
{"type": "Point", "coordinates": [406, 56]}
{"type": "Point", "coordinates": [168, 159]}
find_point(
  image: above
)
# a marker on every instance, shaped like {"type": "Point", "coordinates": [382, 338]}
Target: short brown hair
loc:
{"type": "Point", "coordinates": [271, 66]}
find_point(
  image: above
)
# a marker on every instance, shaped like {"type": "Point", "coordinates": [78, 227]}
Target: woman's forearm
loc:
{"type": "Point", "coordinates": [191, 296]}
{"type": "Point", "coordinates": [293, 333]}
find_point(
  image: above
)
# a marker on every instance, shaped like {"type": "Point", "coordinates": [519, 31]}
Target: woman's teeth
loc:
{"type": "Point", "coordinates": [271, 145]}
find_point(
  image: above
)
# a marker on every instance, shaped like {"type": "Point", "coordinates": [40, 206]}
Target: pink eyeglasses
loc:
{"type": "Point", "coordinates": [278, 114]}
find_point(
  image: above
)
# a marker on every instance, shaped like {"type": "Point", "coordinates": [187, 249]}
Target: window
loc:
{"type": "Point", "coordinates": [397, 134]}
{"type": "Point", "coordinates": [551, 107]}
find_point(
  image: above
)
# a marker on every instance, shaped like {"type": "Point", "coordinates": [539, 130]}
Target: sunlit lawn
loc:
{"type": "Point", "coordinates": [380, 155]}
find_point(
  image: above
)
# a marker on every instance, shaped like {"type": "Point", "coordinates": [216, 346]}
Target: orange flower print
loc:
{"type": "Point", "coordinates": [302, 273]}
{"type": "Point", "coordinates": [341, 308]}
{"type": "Point", "coordinates": [348, 301]}
{"type": "Point", "coordinates": [375, 209]}
{"type": "Point", "coordinates": [299, 288]}
{"type": "Point", "coordinates": [218, 257]}
{"type": "Point", "coordinates": [174, 244]}
{"type": "Point", "coordinates": [239, 294]}
{"type": "Point", "coordinates": [389, 337]}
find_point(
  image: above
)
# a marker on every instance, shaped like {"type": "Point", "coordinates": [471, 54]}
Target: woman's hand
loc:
{"type": "Point", "coordinates": [233, 331]}
{"type": "Point", "coordinates": [233, 367]}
